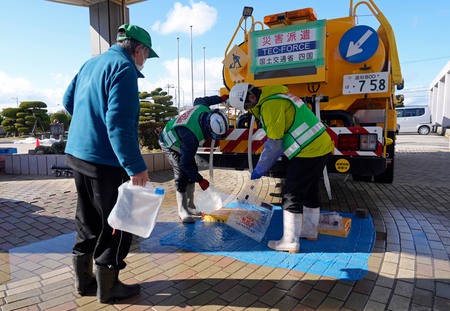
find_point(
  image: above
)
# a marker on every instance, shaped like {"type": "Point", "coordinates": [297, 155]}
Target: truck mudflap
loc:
{"type": "Point", "coordinates": [356, 165]}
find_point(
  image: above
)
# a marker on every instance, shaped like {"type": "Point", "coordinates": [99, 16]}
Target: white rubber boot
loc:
{"type": "Point", "coordinates": [292, 228]}
{"type": "Point", "coordinates": [190, 201]}
{"type": "Point", "coordinates": [182, 208]}
{"type": "Point", "coordinates": [310, 222]}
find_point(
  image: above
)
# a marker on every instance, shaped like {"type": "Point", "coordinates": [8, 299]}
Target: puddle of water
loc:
{"type": "Point", "coordinates": [35, 259]}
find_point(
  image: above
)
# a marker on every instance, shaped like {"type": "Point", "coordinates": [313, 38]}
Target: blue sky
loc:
{"type": "Point", "coordinates": [45, 43]}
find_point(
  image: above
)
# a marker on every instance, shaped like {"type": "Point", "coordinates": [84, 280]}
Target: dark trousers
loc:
{"type": "Point", "coordinates": [181, 179]}
{"type": "Point", "coordinates": [96, 199]}
{"type": "Point", "coordinates": [302, 183]}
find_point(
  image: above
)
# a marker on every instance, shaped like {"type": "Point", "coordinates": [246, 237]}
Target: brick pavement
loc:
{"type": "Point", "coordinates": [409, 268]}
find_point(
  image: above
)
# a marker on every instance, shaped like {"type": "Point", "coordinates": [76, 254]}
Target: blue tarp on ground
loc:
{"type": "Point", "coordinates": [341, 258]}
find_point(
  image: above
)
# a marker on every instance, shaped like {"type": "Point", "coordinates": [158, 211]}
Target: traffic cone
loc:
{"type": "Point", "coordinates": [37, 142]}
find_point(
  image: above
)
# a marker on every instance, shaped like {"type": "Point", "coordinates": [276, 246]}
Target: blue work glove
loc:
{"type": "Point", "coordinates": [273, 149]}
{"type": "Point", "coordinates": [255, 175]}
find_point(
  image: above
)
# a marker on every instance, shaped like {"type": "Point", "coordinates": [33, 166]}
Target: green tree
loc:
{"type": "Point", "coordinates": [28, 118]}
{"type": "Point", "coordinates": [33, 117]}
{"type": "Point", "coordinates": [61, 116]}
{"type": "Point", "coordinates": [9, 121]}
{"type": "Point", "coordinates": [158, 110]}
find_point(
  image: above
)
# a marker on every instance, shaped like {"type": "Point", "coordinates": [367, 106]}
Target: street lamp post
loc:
{"type": "Point", "coordinates": [179, 98]}
{"type": "Point", "coordinates": [192, 69]}
{"type": "Point", "coordinates": [169, 86]}
{"type": "Point", "coordinates": [17, 100]}
{"type": "Point", "coordinates": [178, 68]}
{"type": "Point", "coordinates": [204, 72]}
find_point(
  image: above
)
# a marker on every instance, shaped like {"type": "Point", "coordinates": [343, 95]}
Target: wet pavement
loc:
{"type": "Point", "coordinates": [409, 268]}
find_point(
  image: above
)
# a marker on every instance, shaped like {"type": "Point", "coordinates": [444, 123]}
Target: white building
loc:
{"type": "Point", "coordinates": [439, 99]}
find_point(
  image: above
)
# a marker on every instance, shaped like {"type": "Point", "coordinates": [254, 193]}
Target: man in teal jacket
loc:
{"type": "Point", "coordinates": [294, 130]}
{"type": "Point", "coordinates": [103, 150]}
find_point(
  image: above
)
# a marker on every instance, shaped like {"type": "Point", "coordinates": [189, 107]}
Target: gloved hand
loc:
{"type": "Point", "coordinates": [204, 184]}
{"type": "Point", "coordinates": [273, 149]}
{"type": "Point", "coordinates": [224, 97]}
{"type": "Point", "coordinates": [255, 175]}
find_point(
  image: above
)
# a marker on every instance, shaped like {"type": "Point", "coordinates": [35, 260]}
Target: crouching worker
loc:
{"type": "Point", "coordinates": [179, 142]}
{"type": "Point", "coordinates": [292, 128]}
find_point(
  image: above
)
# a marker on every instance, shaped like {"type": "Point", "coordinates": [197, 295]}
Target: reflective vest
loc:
{"type": "Point", "coordinates": [190, 119]}
{"type": "Point", "coordinates": [305, 128]}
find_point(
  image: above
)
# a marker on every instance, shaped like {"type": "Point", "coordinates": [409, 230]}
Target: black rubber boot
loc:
{"type": "Point", "coordinates": [110, 289]}
{"type": "Point", "coordinates": [85, 282]}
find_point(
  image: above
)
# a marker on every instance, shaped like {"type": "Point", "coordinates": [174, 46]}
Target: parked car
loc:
{"type": "Point", "coordinates": [414, 119]}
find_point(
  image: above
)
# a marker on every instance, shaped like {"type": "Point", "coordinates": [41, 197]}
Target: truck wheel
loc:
{"type": "Point", "coordinates": [424, 130]}
{"type": "Point", "coordinates": [387, 177]}
{"type": "Point", "coordinates": [359, 177]}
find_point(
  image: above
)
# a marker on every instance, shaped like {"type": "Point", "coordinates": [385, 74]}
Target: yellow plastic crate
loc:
{"type": "Point", "coordinates": [221, 215]}
{"type": "Point", "coordinates": [342, 233]}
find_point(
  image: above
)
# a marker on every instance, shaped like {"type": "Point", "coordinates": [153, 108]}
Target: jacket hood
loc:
{"type": "Point", "coordinates": [266, 93]}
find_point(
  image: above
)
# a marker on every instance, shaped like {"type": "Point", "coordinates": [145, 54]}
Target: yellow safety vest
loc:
{"type": "Point", "coordinates": [304, 129]}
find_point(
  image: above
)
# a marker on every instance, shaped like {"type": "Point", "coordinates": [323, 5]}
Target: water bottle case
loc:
{"type": "Point", "coordinates": [136, 209]}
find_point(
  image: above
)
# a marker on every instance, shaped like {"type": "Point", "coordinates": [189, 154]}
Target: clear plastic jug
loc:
{"type": "Point", "coordinates": [136, 209]}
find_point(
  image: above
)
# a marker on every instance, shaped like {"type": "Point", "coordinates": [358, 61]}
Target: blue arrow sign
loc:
{"type": "Point", "coordinates": [358, 44]}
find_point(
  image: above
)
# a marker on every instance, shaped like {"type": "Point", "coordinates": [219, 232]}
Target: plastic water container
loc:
{"type": "Point", "coordinates": [136, 209]}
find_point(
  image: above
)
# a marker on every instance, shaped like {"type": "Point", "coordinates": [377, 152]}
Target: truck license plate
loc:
{"type": "Point", "coordinates": [375, 82]}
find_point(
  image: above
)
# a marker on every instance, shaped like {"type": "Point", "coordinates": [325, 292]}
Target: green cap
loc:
{"type": "Point", "coordinates": [139, 34]}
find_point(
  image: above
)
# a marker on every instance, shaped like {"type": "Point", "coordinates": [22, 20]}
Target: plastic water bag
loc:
{"type": "Point", "coordinates": [331, 221]}
{"type": "Point", "coordinates": [249, 214]}
{"type": "Point", "coordinates": [136, 209]}
{"type": "Point", "coordinates": [208, 201]}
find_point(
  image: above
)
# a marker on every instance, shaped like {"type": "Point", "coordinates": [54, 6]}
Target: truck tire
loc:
{"type": "Point", "coordinates": [359, 177]}
{"type": "Point", "coordinates": [387, 177]}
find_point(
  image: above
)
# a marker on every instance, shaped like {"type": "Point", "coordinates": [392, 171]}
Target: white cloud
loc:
{"type": "Point", "coordinates": [212, 81]}
{"type": "Point", "coordinates": [180, 19]}
{"type": "Point", "coordinates": [24, 90]}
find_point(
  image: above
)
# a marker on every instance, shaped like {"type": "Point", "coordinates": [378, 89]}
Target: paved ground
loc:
{"type": "Point", "coordinates": [409, 268]}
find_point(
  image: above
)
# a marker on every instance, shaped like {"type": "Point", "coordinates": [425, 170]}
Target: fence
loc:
{"type": "Point", "coordinates": [24, 164]}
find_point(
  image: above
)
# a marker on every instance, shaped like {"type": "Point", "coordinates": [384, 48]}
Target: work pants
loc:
{"type": "Point", "coordinates": [302, 183]}
{"type": "Point", "coordinates": [96, 199]}
{"type": "Point", "coordinates": [180, 177]}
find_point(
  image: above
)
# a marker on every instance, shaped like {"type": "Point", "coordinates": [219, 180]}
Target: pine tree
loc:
{"type": "Point", "coordinates": [28, 118]}
{"type": "Point", "coordinates": [156, 106]}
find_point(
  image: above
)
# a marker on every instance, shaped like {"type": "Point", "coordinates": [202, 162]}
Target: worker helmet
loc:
{"type": "Point", "coordinates": [237, 95]}
{"type": "Point", "coordinates": [217, 124]}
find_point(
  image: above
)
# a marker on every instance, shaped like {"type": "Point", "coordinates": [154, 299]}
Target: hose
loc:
{"type": "Point", "coordinates": [249, 148]}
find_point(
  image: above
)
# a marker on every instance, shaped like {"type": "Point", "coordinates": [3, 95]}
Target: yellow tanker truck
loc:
{"type": "Point", "coordinates": [347, 73]}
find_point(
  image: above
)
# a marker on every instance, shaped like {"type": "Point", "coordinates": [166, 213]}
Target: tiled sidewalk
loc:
{"type": "Point", "coordinates": [408, 270]}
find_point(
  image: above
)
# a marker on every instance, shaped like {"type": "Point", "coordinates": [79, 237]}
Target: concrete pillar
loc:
{"type": "Point", "coordinates": [434, 106]}
{"type": "Point", "coordinates": [446, 102]}
{"type": "Point", "coordinates": [440, 101]}
{"type": "Point", "coordinates": [105, 18]}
